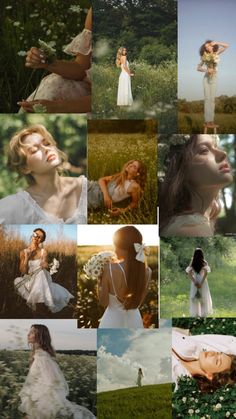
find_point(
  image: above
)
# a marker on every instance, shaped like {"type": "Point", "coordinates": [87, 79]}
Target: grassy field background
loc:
{"type": "Point", "coordinates": [107, 153]}
{"type": "Point", "coordinates": [174, 300]}
{"type": "Point", "coordinates": [152, 401]}
{"type": "Point", "coordinates": [193, 123]}
{"type": "Point", "coordinates": [79, 371]}
{"type": "Point", "coordinates": [88, 311]}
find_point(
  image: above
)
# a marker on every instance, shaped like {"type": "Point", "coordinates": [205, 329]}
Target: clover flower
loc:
{"type": "Point", "coordinates": [49, 52]}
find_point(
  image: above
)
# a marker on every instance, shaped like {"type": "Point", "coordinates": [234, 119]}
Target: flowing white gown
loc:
{"type": "Point", "coordinates": [124, 95]}
{"type": "Point", "coordinates": [44, 392]}
{"type": "Point", "coordinates": [39, 288]}
{"type": "Point", "coordinates": [115, 315]}
{"type": "Point", "coordinates": [201, 306]}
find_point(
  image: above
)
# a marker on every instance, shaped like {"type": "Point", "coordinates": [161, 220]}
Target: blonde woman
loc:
{"type": "Point", "coordinates": [49, 198]}
{"type": "Point", "coordinates": [124, 96]}
{"type": "Point", "coordinates": [109, 190]}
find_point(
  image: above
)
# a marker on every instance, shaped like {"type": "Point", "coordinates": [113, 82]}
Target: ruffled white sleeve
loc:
{"type": "Point", "coordinates": [81, 44]}
{"type": "Point", "coordinates": [207, 268]}
{"type": "Point", "coordinates": [14, 209]}
{"type": "Point", "coordinates": [188, 269]}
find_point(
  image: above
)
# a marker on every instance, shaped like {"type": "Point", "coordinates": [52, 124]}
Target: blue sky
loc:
{"type": "Point", "coordinates": [64, 334]}
{"type": "Point", "coordinates": [122, 352]}
{"type": "Point", "coordinates": [199, 20]}
{"type": "Point", "coordinates": [53, 232]}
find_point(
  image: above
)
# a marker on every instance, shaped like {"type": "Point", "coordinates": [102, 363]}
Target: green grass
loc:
{"type": "Point", "coordinates": [222, 282]}
{"type": "Point", "coordinates": [153, 401]}
{"type": "Point", "coordinates": [107, 153]}
{"type": "Point", "coordinates": [193, 123]}
{"type": "Point", "coordinates": [153, 89]}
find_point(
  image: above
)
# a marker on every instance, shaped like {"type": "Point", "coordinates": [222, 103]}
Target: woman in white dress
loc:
{"type": "Point", "coordinates": [36, 285]}
{"type": "Point", "coordinates": [124, 283]}
{"type": "Point", "coordinates": [189, 195]}
{"type": "Point", "coordinates": [109, 190]}
{"type": "Point", "coordinates": [49, 198]}
{"type": "Point", "coordinates": [200, 296]}
{"type": "Point", "coordinates": [209, 53]}
{"type": "Point", "coordinates": [140, 377]}
{"type": "Point", "coordinates": [124, 95]}
{"type": "Point", "coordinates": [68, 88]}
{"type": "Point", "coordinates": [210, 359]}
{"type": "Point", "coordinates": [44, 393]}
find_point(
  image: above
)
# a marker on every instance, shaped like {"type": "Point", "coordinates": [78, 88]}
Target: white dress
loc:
{"type": "Point", "coordinates": [55, 87]}
{"type": "Point", "coordinates": [39, 288]}
{"type": "Point", "coordinates": [115, 315]}
{"type": "Point", "coordinates": [21, 208]}
{"type": "Point", "coordinates": [196, 224]}
{"type": "Point", "coordinates": [189, 347]}
{"type": "Point", "coordinates": [201, 306]}
{"type": "Point", "coordinates": [44, 392]}
{"type": "Point", "coordinates": [124, 95]}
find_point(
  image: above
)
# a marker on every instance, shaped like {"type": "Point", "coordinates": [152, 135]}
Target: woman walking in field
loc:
{"type": "Point", "coordinates": [113, 189]}
{"type": "Point", "coordinates": [124, 95]}
{"type": "Point", "coordinates": [209, 53]}
{"type": "Point", "coordinates": [44, 393]}
{"type": "Point", "coordinates": [50, 198]}
{"type": "Point", "coordinates": [140, 377]}
{"type": "Point", "coordinates": [36, 285]}
{"type": "Point", "coordinates": [200, 296]}
{"type": "Point", "coordinates": [124, 282]}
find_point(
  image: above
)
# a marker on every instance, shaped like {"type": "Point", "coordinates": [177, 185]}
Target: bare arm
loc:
{"type": "Point", "coordinates": [82, 105]}
{"type": "Point", "coordinates": [203, 275]}
{"type": "Point", "coordinates": [222, 46]}
{"type": "Point", "coordinates": [124, 62]}
{"type": "Point", "coordinates": [103, 182]}
{"type": "Point", "coordinates": [135, 193]}
{"type": "Point", "coordinates": [103, 288]}
{"type": "Point", "coordinates": [44, 262]}
{"type": "Point", "coordinates": [148, 280]}
{"type": "Point", "coordinates": [201, 67]}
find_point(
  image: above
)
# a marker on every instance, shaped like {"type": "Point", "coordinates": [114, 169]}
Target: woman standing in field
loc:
{"type": "Point", "coordinates": [109, 190]}
{"type": "Point", "coordinates": [209, 53]}
{"type": "Point", "coordinates": [200, 296]}
{"type": "Point", "coordinates": [124, 283]}
{"type": "Point", "coordinates": [49, 198]}
{"type": "Point", "coordinates": [140, 377]}
{"type": "Point", "coordinates": [189, 195]}
{"type": "Point", "coordinates": [68, 88]}
{"type": "Point", "coordinates": [124, 95]}
{"type": "Point", "coordinates": [44, 393]}
{"type": "Point", "coordinates": [36, 285]}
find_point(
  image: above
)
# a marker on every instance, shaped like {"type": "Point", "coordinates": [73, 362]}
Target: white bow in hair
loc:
{"type": "Point", "coordinates": [141, 250]}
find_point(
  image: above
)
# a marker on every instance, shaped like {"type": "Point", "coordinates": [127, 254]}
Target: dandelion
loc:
{"type": "Point", "coordinates": [191, 412]}
{"type": "Point", "coordinates": [184, 399]}
{"type": "Point", "coordinates": [227, 415]}
{"type": "Point", "coordinates": [217, 407]}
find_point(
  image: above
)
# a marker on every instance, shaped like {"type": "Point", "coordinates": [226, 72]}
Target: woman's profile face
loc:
{"type": "Point", "coordinates": [209, 167]}
{"type": "Point", "coordinates": [124, 51]}
{"type": "Point", "coordinates": [31, 336]}
{"type": "Point", "coordinates": [208, 47]}
{"type": "Point", "coordinates": [42, 156]}
{"type": "Point", "coordinates": [213, 362]}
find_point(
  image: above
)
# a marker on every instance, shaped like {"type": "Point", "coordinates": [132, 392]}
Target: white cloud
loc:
{"type": "Point", "coordinates": [146, 350]}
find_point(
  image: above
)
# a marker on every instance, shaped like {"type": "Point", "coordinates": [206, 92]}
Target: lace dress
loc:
{"type": "Point", "coordinates": [38, 287]}
{"type": "Point", "coordinates": [21, 208]}
{"type": "Point", "coordinates": [124, 95]}
{"type": "Point", "coordinates": [116, 192]}
{"type": "Point", "coordinates": [200, 298]}
{"type": "Point", "coordinates": [44, 393]}
{"type": "Point", "coordinates": [115, 315]}
{"type": "Point", "coordinates": [55, 87]}
{"type": "Point", "coordinates": [194, 225]}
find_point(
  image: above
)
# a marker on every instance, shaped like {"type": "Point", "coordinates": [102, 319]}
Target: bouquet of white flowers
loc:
{"type": "Point", "coordinates": [210, 59]}
{"type": "Point", "coordinates": [54, 266]}
{"type": "Point", "coordinates": [95, 266]}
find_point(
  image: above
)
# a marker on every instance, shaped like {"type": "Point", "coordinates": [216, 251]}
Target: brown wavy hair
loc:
{"type": "Point", "coordinates": [43, 339]}
{"type": "Point", "coordinates": [17, 157]}
{"type": "Point", "coordinates": [135, 271]}
{"type": "Point", "coordinates": [176, 191]}
{"type": "Point", "coordinates": [141, 178]}
{"type": "Point", "coordinates": [219, 379]}
{"type": "Point", "coordinates": [202, 48]}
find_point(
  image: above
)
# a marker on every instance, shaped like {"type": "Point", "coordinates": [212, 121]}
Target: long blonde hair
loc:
{"type": "Point", "coordinates": [141, 177]}
{"type": "Point", "coordinates": [118, 56]}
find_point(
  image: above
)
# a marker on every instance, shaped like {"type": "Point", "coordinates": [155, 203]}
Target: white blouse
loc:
{"type": "Point", "coordinates": [21, 208]}
{"type": "Point", "coordinates": [195, 225]}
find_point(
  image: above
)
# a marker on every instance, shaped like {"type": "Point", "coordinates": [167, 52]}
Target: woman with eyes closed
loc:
{"type": "Point", "coordinates": [209, 359]}
{"type": "Point", "coordinates": [49, 198]}
{"type": "Point", "coordinates": [189, 196]}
